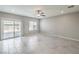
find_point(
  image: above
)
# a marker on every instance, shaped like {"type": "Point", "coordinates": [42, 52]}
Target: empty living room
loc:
{"type": "Point", "coordinates": [39, 29]}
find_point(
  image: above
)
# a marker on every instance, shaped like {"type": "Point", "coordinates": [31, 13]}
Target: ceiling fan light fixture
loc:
{"type": "Point", "coordinates": [40, 13]}
{"type": "Point", "coordinates": [71, 6]}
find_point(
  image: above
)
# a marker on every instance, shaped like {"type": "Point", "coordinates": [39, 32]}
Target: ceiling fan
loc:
{"type": "Point", "coordinates": [40, 13]}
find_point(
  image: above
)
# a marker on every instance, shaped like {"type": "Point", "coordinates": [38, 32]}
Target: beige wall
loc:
{"type": "Point", "coordinates": [64, 25]}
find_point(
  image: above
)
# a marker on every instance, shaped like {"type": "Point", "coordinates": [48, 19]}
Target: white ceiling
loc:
{"type": "Point", "coordinates": [29, 10]}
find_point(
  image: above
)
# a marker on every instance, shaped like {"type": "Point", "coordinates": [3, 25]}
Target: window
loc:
{"type": "Point", "coordinates": [17, 28]}
{"type": "Point", "coordinates": [10, 29]}
{"type": "Point", "coordinates": [32, 26]}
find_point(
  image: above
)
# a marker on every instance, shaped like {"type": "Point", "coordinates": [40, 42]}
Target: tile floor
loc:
{"type": "Point", "coordinates": [39, 44]}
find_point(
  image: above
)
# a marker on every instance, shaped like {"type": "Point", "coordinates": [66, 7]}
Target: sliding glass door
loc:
{"type": "Point", "coordinates": [17, 29]}
{"type": "Point", "coordinates": [10, 29]}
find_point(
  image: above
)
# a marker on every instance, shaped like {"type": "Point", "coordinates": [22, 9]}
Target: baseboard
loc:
{"type": "Point", "coordinates": [60, 36]}
{"type": "Point", "coordinates": [69, 38]}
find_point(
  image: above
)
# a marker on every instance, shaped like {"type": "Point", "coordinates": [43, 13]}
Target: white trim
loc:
{"type": "Point", "coordinates": [60, 36]}
{"type": "Point", "coordinates": [69, 38]}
